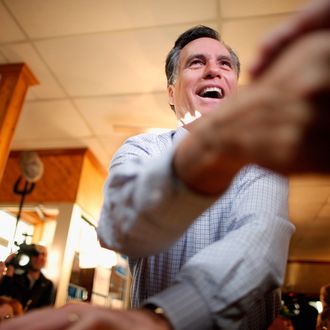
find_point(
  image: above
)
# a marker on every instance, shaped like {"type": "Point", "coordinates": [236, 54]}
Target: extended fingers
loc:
{"type": "Point", "coordinates": [314, 16]}
{"type": "Point", "coordinates": [46, 318]}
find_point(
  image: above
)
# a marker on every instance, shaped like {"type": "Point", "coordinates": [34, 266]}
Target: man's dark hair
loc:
{"type": "Point", "coordinates": [196, 32]}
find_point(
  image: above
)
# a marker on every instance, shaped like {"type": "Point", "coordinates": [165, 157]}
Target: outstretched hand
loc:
{"type": "Point", "coordinates": [281, 121]}
{"type": "Point", "coordinates": [83, 316]}
{"type": "Point", "coordinates": [315, 16]}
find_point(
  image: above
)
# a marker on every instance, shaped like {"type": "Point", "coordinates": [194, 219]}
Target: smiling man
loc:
{"type": "Point", "coordinates": [207, 73]}
{"type": "Point", "coordinates": [207, 237]}
{"type": "Point", "coordinates": [206, 232]}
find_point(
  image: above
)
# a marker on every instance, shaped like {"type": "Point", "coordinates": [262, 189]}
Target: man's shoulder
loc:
{"type": "Point", "coordinates": [17, 278]}
{"type": "Point", "coordinates": [45, 280]}
{"type": "Point", "coordinates": [146, 144]}
{"type": "Point", "coordinates": [152, 137]}
{"type": "Point", "coordinates": [256, 170]}
{"type": "Point", "coordinates": [255, 173]}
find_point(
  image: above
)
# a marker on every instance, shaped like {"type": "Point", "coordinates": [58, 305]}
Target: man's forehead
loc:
{"type": "Point", "coordinates": [41, 249]}
{"type": "Point", "coordinates": [204, 46]}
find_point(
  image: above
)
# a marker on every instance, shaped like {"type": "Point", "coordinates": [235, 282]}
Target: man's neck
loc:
{"type": "Point", "coordinates": [34, 274]}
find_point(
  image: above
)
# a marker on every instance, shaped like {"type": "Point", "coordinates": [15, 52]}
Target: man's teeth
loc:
{"type": "Point", "coordinates": [212, 92]}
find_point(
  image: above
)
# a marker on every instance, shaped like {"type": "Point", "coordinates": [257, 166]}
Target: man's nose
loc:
{"type": "Point", "coordinates": [212, 70]}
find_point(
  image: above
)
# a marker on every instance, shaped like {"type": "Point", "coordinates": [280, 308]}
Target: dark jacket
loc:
{"type": "Point", "coordinates": [18, 287]}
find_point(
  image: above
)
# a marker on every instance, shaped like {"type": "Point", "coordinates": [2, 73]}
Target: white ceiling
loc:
{"type": "Point", "coordinates": [100, 63]}
{"type": "Point", "coordinates": [100, 66]}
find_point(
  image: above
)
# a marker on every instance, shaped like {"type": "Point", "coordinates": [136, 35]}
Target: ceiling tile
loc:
{"type": "Point", "coordinates": [311, 240]}
{"type": "Point", "coordinates": [41, 18]}
{"type": "Point", "coordinates": [307, 277]}
{"type": "Point", "coordinates": [302, 213]}
{"type": "Point", "coordinates": [3, 59]}
{"type": "Point", "coordinates": [111, 63]}
{"type": "Point", "coordinates": [96, 146]}
{"type": "Point", "coordinates": [109, 55]}
{"type": "Point", "coordinates": [310, 180]}
{"type": "Point", "coordinates": [93, 144]}
{"type": "Point", "coordinates": [111, 144]}
{"type": "Point", "coordinates": [324, 214]}
{"type": "Point", "coordinates": [243, 8]}
{"type": "Point", "coordinates": [306, 202]}
{"type": "Point", "coordinates": [47, 143]}
{"type": "Point", "coordinates": [312, 228]}
{"type": "Point", "coordinates": [9, 31]}
{"type": "Point", "coordinates": [50, 120]}
{"type": "Point", "coordinates": [312, 248]}
{"type": "Point", "coordinates": [30, 96]}
{"type": "Point", "coordinates": [24, 52]}
{"type": "Point", "coordinates": [309, 194]}
{"type": "Point", "coordinates": [243, 36]}
{"type": "Point", "coordinates": [144, 110]}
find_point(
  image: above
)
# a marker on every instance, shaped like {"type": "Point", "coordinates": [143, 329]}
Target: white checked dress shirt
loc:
{"type": "Point", "coordinates": [222, 258]}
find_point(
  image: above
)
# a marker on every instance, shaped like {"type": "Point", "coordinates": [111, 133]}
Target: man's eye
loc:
{"type": "Point", "coordinates": [195, 63]}
{"type": "Point", "coordinates": [226, 63]}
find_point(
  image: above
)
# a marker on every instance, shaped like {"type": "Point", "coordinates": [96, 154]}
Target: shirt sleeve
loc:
{"type": "Point", "coordinates": [143, 211]}
{"type": "Point", "coordinates": [220, 283]}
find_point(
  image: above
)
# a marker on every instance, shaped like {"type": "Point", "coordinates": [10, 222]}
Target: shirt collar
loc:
{"type": "Point", "coordinates": [179, 134]}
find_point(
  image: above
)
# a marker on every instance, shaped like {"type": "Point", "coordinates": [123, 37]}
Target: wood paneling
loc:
{"type": "Point", "coordinates": [70, 175]}
{"type": "Point", "coordinates": [306, 276]}
{"type": "Point", "coordinates": [60, 180]}
{"type": "Point", "coordinates": [92, 179]}
{"type": "Point", "coordinates": [14, 82]}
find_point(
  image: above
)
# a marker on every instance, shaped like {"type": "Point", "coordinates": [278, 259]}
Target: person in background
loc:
{"type": "Point", "coordinates": [281, 323]}
{"type": "Point", "coordinates": [323, 320]}
{"type": "Point", "coordinates": [31, 288]}
{"type": "Point", "coordinates": [9, 308]}
{"type": "Point", "coordinates": [306, 319]}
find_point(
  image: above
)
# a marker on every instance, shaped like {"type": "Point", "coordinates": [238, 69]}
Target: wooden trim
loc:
{"type": "Point", "coordinates": [52, 152]}
{"type": "Point", "coordinates": [14, 82]}
{"type": "Point", "coordinates": [96, 163]}
{"type": "Point", "coordinates": [314, 262]}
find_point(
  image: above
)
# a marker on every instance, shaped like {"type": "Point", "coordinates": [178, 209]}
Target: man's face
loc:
{"type": "Point", "coordinates": [206, 76]}
{"type": "Point", "coordinates": [39, 262]}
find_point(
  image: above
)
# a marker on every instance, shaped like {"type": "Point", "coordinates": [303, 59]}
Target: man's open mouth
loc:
{"type": "Point", "coordinates": [211, 92]}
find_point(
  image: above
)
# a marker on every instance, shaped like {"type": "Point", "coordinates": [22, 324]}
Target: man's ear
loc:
{"type": "Point", "coordinates": [170, 94]}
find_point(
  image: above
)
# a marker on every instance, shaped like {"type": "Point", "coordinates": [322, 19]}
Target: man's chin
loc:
{"type": "Point", "coordinates": [208, 110]}
{"type": "Point", "coordinates": [210, 107]}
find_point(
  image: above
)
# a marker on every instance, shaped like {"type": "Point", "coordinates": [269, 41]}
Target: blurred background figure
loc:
{"type": "Point", "coordinates": [27, 284]}
{"type": "Point", "coordinates": [323, 320]}
{"type": "Point", "coordinates": [9, 308]}
{"type": "Point", "coordinates": [307, 316]}
{"type": "Point", "coordinates": [281, 323]}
